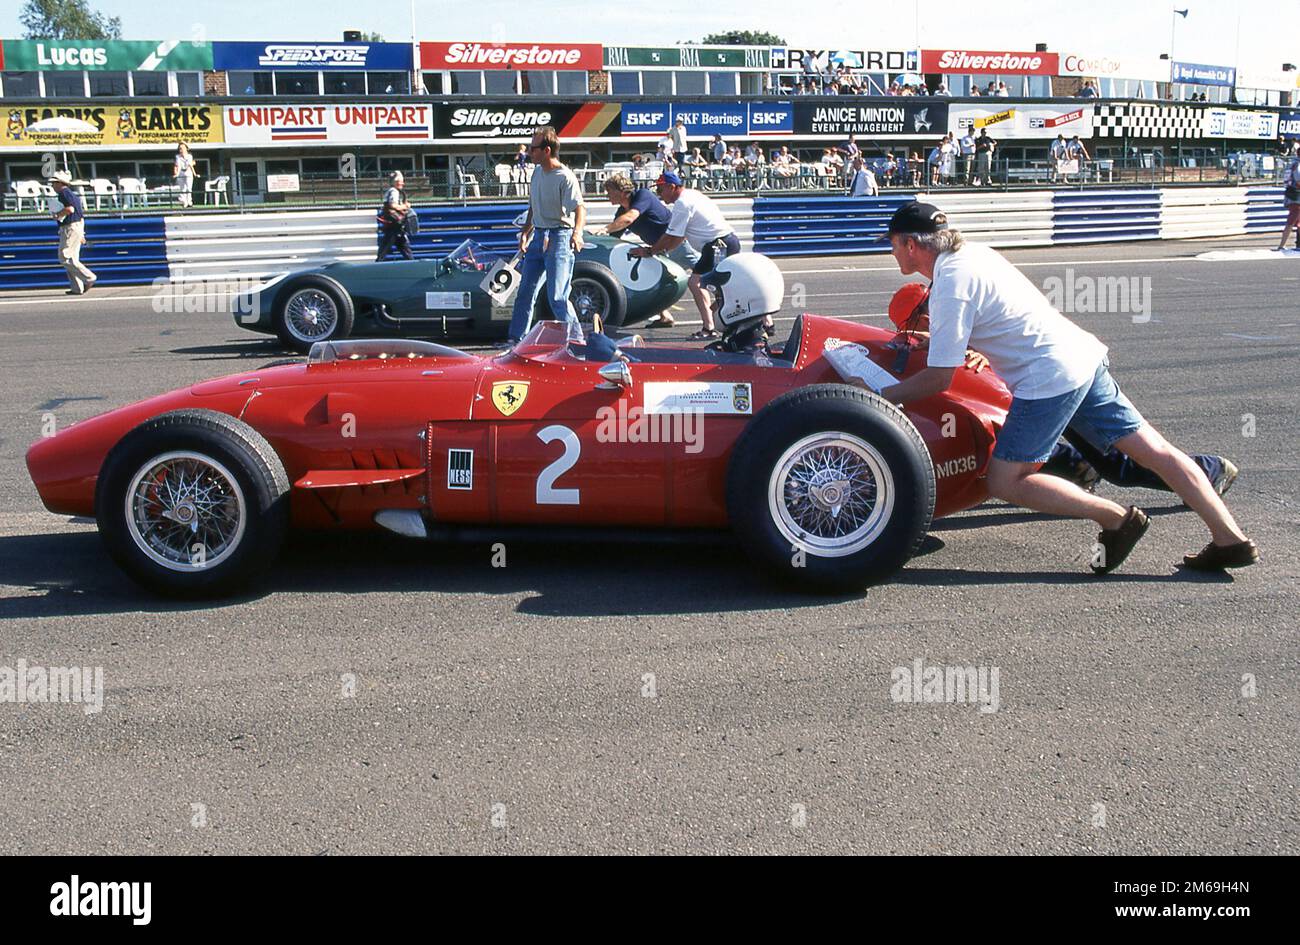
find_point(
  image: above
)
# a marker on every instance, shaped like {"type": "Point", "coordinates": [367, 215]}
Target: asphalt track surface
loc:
{"type": "Point", "coordinates": [648, 699]}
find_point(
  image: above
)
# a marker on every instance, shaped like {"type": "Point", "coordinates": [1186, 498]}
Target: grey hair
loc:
{"type": "Point", "coordinates": [621, 183]}
{"type": "Point", "coordinates": [393, 175]}
{"type": "Point", "coordinates": [945, 241]}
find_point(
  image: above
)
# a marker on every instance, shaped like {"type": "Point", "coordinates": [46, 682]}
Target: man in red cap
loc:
{"type": "Point", "coordinates": [1059, 377]}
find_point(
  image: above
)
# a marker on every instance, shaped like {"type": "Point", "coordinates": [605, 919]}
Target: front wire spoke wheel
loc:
{"type": "Point", "coordinates": [185, 511]}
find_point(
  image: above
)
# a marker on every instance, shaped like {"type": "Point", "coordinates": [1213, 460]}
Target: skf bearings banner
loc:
{"type": "Point", "coordinates": [653, 119]}
{"type": "Point", "coordinates": [292, 125]}
{"type": "Point", "coordinates": [117, 125]}
{"type": "Point", "coordinates": [1022, 121]}
{"type": "Point", "coordinates": [44, 55]}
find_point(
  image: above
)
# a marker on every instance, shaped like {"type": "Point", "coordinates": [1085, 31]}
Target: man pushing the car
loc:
{"type": "Point", "coordinates": [1059, 377]}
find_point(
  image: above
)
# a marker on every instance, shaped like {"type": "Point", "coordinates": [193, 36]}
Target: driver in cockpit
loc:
{"type": "Point", "coordinates": [747, 289]}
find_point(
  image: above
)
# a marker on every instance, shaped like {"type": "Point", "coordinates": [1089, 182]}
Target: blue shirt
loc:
{"type": "Point", "coordinates": [70, 198]}
{"type": "Point", "coordinates": [654, 216]}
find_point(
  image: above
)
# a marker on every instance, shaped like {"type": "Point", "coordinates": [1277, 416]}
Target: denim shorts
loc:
{"type": "Point", "coordinates": [1098, 411]}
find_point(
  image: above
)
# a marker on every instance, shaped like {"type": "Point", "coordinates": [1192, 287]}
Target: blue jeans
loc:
{"type": "Point", "coordinates": [1097, 411]}
{"type": "Point", "coordinates": [1115, 467]}
{"type": "Point", "coordinates": [548, 252]}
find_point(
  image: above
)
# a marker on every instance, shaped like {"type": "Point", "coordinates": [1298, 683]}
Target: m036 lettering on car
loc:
{"type": "Point", "coordinates": [460, 469]}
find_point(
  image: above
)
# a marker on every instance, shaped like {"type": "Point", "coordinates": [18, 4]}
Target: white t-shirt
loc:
{"type": "Point", "coordinates": [697, 218]}
{"type": "Point", "coordinates": [981, 301]}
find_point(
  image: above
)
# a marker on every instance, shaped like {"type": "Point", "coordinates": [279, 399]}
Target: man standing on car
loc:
{"type": "Point", "coordinates": [1059, 377]}
{"type": "Point", "coordinates": [645, 216]}
{"type": "Point", "coordinates": [551, 237]}
{"type": "Point", "coordinates": [392, 218]}
{"type": "Point", "coordinates": [696, 220]}
{"type": "Point", "coordinates": [71, 218]}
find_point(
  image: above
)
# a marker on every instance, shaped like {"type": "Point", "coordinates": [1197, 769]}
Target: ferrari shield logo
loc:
{"type": "Point", "coordinates": [509, 396]}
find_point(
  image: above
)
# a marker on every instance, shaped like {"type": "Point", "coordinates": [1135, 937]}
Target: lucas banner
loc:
{"type": "Point", "coordinates": [899, 119]}
{"type": "Point", "coordinates": [44, 55]}
{"type": "Point", "coordinates": [1022, 121]}
{"type": "Point", "coordinates": [117, 125]}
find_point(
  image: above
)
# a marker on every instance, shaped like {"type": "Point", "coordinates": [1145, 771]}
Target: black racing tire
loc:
{"type": "Point", "coordinates": [791, 463]}
{"type": "Point", "coordinates": [237, 506]}
{"type": "Point", "coordinates": [312, 296]}
{"type": "Point", "coordinates": [590, 279]}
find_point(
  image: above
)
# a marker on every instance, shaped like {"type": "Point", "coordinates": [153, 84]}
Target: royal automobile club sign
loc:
{"type": "Point", "coordinates": [896, 120]}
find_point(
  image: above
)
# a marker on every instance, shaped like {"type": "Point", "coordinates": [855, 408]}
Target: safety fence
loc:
{"type": "Point", "coordinates": [138, 250]}
{"type": "Point", "coordinates": [808, 226]}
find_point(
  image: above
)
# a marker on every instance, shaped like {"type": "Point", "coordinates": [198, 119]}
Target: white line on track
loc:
{"type": "Point", "coordinates": [1026, 265]}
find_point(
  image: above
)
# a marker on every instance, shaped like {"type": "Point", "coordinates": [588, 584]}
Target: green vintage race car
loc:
{"type": "Point", "coordinates": [450, 297]}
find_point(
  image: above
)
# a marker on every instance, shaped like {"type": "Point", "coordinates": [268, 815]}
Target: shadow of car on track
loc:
{"type": "Point", "coordinates": [77, 577]}
{"type": "Point", "coordinates": [237, 351]}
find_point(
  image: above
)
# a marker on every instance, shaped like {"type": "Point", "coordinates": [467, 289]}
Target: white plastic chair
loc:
{"type": "Point", "coordinates": [505, 177]}
{"type": "Point", "coordinates": [216, 190]}
{"type": "Point", "coordinates": [27, 190]}
{"type": "Point", "coordinates": [132, 188]}
{"type": "Point", "coordinates": [466, 181]}
{"type": "Point", "coordinates": [102, 188]}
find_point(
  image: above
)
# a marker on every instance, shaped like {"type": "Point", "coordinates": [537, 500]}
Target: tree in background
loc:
{"type": "Point", "coordinates": [743, 38]}
{"type": "Point", "coordinates": [67, 19]}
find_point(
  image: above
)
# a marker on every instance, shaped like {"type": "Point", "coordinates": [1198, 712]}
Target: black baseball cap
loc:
{"type": "Point", "coordinates": [917, 217]}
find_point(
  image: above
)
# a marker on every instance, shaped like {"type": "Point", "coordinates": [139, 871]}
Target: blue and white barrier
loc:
{"type": "Point", "coordinates": [138, 250]}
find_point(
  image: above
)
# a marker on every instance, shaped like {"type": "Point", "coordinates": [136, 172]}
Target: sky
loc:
{"type": "Point", "coordinates": [1235, 32]}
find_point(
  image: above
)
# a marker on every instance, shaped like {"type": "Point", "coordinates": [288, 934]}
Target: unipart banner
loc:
{"type": "Point", "coordinates": [791, 59]}
{"type": "Point", "coordinates": [900, 119]}
{"type": "Point", "coordinates": [313, 56]}
{"type": "Point", "coordinates": [1236, 123]}
{"type": "Point", "coordinates": [1112, 67]}
{"type": "Point", "coordinates": [294, 125]}
{"type": "Point", "coordinates": [460, 122]}
{"type": "Point", "coordinates": [474, 56]}
{"type": "Point", "coordinates": [963, 61]}
{"type": "Point", "coordinates": [1022, 121]}
{"type": "Point", "coordinates": [43, 55]}
{"type": "Point", "coordinates": [117, 126]}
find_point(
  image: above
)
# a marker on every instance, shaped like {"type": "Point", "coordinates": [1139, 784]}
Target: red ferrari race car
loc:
{"type": "Point", "coordinates": [826, 484]}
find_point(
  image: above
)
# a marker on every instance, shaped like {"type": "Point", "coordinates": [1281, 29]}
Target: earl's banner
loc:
{"type": "Point", "coordinates": [116, 125]}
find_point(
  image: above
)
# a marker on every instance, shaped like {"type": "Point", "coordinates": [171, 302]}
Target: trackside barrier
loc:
{"type": "Point", "coordinates": [219, 246]}
{"type": "Point", "coordinates": [119, 251]}
{"type": "Point", "coordinates": [138, 250]}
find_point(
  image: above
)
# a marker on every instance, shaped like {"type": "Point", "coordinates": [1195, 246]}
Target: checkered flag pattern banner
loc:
{"type": "Point", "coordinates": [1148, 121]}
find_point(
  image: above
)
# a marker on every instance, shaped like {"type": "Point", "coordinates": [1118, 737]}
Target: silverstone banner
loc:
{"type": "Point", "coordinates": [1022, 121]}
{"type": "Point", "coordinates": [1236, 123]}
{"type": "Point", "coordinates": [729, 119]}
{"type": "Point", "coordinates": [964, 61]}
{"type": "Point", "coordinates": [899, 119]}
{"type": "Point", "coordinates": [572, 122]}
{"type": "Point", "coordinates": [558, 56]}
{"type": "Point", "coordinates": [118, 126]}
{"type": "Point", "coordinates": [43, 55]}
{"type": "Point", "coordinates": [285, 125]}
{"type": "Point", "coordinates": [314, 56]}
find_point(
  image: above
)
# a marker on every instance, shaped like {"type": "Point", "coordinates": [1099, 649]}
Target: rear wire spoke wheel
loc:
{"type": "Point", "coordinates": [830, 494]}
{"type": "Point", "coordinates": [589, 298]}
{"type": "Point", "coordinates": [310, 316]}
{"type": "Point", "coordinates": [313, 308]}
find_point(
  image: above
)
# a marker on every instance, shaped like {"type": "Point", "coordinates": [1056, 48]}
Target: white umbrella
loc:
{"type": "Point", "coordinates": [62, 125]}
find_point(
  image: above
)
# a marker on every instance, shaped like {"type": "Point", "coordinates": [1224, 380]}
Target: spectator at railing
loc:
{"type": "Point", "coordinates": [862, 183]}
{"type": "Point", "coordinates": [849, 149]}
{"type": "Point", "coordinates": [942, 89]}
{"type": "Point", "coordinates": [975, 91]}
{"type": "Point", "coordinates": [889, 170]}
{"type": "Point", "coordinates": [833, 162]}
{"type": "Point", "coordinates": [916, 168]}
{"type": "Point", "coordinates": [1002, 90]}
{"type": "Point", "coordinates": [784, 164]}
{"type": "Point", "coordinates": [1089, 90]}
{"type": "Point", "coordinates": [696, 166]}
{"type": "Point", "coordinates": [966, 147]}
{"type": "Point", "coordinates": [718, 149]}
{"type": "Point", "coordinates": [984, 148]}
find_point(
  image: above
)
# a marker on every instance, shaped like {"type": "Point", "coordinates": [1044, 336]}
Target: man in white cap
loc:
{"type": "Point", "coordinates": [72, 233]}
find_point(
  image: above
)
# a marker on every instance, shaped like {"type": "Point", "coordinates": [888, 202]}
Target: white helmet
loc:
{"type": "Point", "coordinates": [748, 286]}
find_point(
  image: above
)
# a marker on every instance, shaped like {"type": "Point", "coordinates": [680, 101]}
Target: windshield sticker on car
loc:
{"type": "Point", "coordinates": [435, 301]}
{"type": "Point", "coordinates": [460, 469]}
{"type": "Point", "coordinates": [710, 397]}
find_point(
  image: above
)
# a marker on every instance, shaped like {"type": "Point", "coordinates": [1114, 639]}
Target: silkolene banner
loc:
{"type": "Point", "coordinates": [1022, 121]}
{"type": "Point", "coordinates": [971, 61]}
{"type": "Point", "coordinates": [898, 119]}
{"type": "Point", "coordinates": [43, 55]}
{"type": "Point", "coordinates": [314, 56]}
{"type": "Point", "coordinates": [486, 122]}
{"type": "Point", "coordinates": [476, 56]}
{"type": "Point", "coordinates": [290, 125]}
{"type": "Point", "coordinates": [117, 125]}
